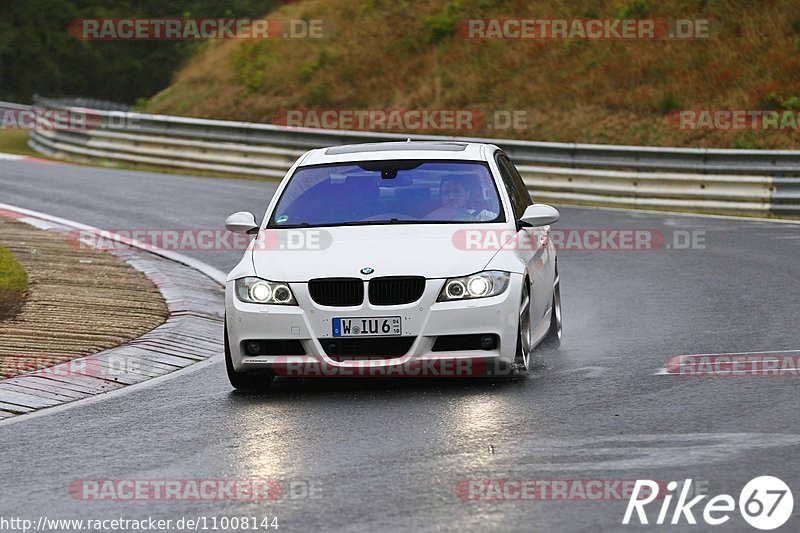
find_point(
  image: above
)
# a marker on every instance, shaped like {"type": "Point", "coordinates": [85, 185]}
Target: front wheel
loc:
{"type": "Point", "coordinates": [253, 381]}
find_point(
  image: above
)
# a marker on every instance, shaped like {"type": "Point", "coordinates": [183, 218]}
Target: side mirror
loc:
{"type": "Point", "coordinates": [241, 222]}
{"type": "Point", "coordinates": [539, 215]}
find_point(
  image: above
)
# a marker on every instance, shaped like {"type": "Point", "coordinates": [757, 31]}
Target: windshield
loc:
{"type": "Point", "coordinates": [388, 192]}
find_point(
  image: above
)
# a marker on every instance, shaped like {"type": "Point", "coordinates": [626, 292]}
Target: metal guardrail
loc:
{"type": "Point", "coordinates": [86, 103]}
{"type": "Point", "coordinates": [744, 182]}
{"type": "Point", "coordinates": [16, 107]}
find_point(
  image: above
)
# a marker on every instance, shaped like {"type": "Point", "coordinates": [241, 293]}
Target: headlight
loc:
{"type": "Point", "coordinates": [261, 291]}
{"type": "Point", "coordinates": [480, 285]}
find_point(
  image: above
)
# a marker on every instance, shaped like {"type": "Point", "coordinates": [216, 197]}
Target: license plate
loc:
{"type": "Point", "coordinates": [367, 327]}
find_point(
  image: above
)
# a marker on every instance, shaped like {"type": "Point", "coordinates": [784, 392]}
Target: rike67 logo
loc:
{"type": "Point", "coordinates": [765, 503]}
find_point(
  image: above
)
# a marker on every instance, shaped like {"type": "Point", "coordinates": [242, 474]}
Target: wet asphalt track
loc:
{"type": "Point", "coordinates": [389, 455]}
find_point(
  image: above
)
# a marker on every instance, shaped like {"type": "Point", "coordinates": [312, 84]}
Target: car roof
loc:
{"type": "Point", "coordinates": [435, 150]}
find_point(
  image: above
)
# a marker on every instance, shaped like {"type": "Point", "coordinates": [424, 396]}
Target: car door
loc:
{"type": "Point", "coordinates": [535, 248]}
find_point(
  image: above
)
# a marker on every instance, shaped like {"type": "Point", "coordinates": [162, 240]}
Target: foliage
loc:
{"type": "Point", "coordinates": [39, 55]}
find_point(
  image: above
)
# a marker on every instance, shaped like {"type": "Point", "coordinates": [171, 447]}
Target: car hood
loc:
{"type": "Point", "coordinates": [432, 251]}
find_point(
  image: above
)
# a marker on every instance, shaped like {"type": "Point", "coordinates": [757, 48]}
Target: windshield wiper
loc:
{"type": "Point", "coordinates": [371, 222]}
{"type": "Point", "coordinates": [304, 225]}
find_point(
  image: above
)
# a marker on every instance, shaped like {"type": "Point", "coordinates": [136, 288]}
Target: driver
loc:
{"type": "Point", "coordinates": [454, 194]}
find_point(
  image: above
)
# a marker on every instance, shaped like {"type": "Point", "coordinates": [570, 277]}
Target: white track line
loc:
{"type": "Point", "coordinates": [113, 394]}
{"type": "Point", "coordinates": [12, 157]}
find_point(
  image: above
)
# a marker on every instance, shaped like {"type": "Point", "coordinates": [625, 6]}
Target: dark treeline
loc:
{"type": "Point", "coordinates": [39, 55]}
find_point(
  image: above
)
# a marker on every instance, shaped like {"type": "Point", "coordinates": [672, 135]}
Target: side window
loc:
{"type": "Point", "coordinates": [508, 181]}
{"type": "Point", "coordinates": [520, 199]}
{"type": "Point", "coordinates": [522, 190]}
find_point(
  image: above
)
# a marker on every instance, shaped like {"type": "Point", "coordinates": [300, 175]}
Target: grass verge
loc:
{"type": "Point", "coordinates": [16, 142]}
{"type": "Point", "coordinates": [13, 284]}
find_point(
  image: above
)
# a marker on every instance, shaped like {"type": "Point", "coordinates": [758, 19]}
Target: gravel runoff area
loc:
{"type": "Point", "coordinates": [80, 301]}
{"type": "Point", "coordinates": [190, 295]}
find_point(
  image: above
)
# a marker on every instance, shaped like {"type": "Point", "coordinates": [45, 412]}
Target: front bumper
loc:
{"type": "Point", "coordinates": [422, 323]}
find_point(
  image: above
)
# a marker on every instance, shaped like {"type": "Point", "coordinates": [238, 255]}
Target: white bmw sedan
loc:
{"type": "Point", "coordinates": [393, 259]}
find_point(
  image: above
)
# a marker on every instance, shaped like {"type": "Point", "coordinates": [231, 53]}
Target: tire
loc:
{"type": "Point", "coordinates": [522, 358]}
{"type": "Point", "coordinates": [253, 381]}
{"type": "Point", "coordinates": [556, 330]}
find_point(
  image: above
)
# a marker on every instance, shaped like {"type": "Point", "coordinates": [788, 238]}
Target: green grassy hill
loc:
{"type": "Point", "coordinates": [380, 54]}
